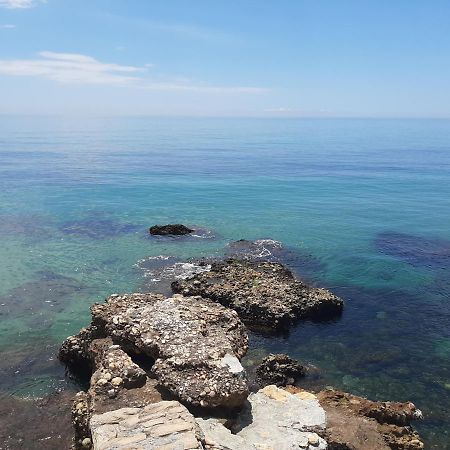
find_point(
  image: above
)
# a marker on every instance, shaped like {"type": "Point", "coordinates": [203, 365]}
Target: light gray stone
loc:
{"type": "Point", "coordinates": [218, 437]}
{"type": "Point", "coordinates": [277, 419]}
{"type": "Point", "coordinates": [273, 419]}
{"type": "Point", "coordinates": [163, 425]}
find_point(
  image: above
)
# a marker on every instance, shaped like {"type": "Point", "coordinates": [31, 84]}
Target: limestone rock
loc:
{"type": "Point", "coordinates": [75, 350]}
{"type": "Point", "coordinates": [176, 229]}
{"type": "Point", "coordinates": [218, 437]}
{"type": "Point", "coordinates": [264, 294]}
{"type": "Point", "coordinates": [275, 418]}
{"type": "Point", "coordinates": [164, 425]}
{"type": "Point", "coordinates": [116, 370]}
{"type": "Point", "coordinates": [196, 345]}
{"type": "Point", "coordinates": [81, 414]}
{"type": "Point", "coordinates": [280, 370]}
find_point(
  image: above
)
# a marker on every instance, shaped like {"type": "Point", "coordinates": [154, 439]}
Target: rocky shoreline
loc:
{"type": "Point", "coordinates": [165, 371]}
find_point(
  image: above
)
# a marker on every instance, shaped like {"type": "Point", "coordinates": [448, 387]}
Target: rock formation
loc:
{"type": "Point", "coordinates": [355, 423]}
{"type": "Point", "coordinates": [176, 229]}
{"type": "Point", "coordinates": [264, 294]}
{"type": "Point", "coordinates": [279, 370]}
{"type": "Point", "coordinates": [151, 357]}
{"type": "Point", "coordinates": [196, 346]}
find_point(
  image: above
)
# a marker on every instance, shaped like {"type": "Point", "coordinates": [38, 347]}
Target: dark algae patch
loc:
{"type": "Point", "coordinates": [97, 228]}
{"type": "Point", "coordinates": [418, 251]}
{"type": "Point", "coordinates": [43, 424]}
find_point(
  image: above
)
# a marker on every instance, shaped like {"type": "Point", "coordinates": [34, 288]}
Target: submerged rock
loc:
{"type": "Point", "coordinates": [196, 346]}
{"type": "Point", "coordinates": [95, 227]}
{"type": "Point", "coordinates": [279, 370]}
{"type": "Point", "coordinates": [38, 424]}
{"type": "Point", "coordinates": [176, 229]}
{"type": "Point", "coordinates": [419, 251]}
{"type": "Point", "coordinates": [163, 425]}
{"type": "Point", "coordinates": [264, 294]}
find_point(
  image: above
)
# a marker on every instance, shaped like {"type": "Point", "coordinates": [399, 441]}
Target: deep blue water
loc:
{"type": "Point", "coordinates": [363, 206]}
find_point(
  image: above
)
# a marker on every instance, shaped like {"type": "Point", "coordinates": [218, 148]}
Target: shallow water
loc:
{"type": "Point", "coordinates": [361, 206]}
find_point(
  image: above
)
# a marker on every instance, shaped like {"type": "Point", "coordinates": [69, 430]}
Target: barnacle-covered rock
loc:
{"type": "Point", "coordinates": [196, 344]}
{"type": "Point", "coordinates": [279, 370]}
{"type": "Point", "coordinates": [264, 294]}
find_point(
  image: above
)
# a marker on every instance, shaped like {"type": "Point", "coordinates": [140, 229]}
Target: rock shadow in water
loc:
{"type": "Point", "coordinates": [32, 368]}
{"type": "Point", "coordinates": [418, 251]}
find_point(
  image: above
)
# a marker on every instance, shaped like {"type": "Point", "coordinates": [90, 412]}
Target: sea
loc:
{"type": "Point", "coordinates": [360, 206]}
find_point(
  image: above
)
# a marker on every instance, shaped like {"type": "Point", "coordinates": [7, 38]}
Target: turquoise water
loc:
{"type": "Point", "coordinates": [362, 205]}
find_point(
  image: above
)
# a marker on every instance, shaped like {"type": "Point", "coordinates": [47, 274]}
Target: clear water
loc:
{"type": "Point", "coordinates": [365, 204]}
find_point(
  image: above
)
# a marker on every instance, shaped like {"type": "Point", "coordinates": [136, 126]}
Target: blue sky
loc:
{"type": "Point", "coordinates": [314, 58]}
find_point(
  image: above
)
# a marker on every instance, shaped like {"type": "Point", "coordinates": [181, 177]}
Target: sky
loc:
{"type": "Point", "coordinates": [272, 58]}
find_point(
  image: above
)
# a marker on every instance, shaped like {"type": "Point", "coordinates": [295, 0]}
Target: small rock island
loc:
{"type": "Point", "coordinates": [176, 229]}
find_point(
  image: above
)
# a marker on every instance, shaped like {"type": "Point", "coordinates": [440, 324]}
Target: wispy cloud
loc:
{"type": "Point", "coordinates": [7, 26]}
{"type": "Point", "coordinates": [73, 68]}
{"type": "Point", "coordinates": [19, 4]}
{"type": "Point", "coordinates": [181, 30]}
{"type": "Point", "coordinates": [281, 110]}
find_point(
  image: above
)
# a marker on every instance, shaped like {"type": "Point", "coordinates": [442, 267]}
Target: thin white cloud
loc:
{"type": "Point", "coordinates": [281, 110]}
{"type": "Point", "coordinates": [70, 68]}
{"type": "Point", "coordinates": [73, 68]}
{"type": "Point", "coordinates": [7, 26]}
{"type": "Point", "coordinates": [19, 4]}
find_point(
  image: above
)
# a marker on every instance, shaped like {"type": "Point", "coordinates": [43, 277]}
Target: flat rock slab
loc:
{"type": "Point", "coordinates": [264, 294]}
{"type": "Point", "coordinates": [196, 344]}
{"type": "Point", "coordinates": [273, 419]}
{"type": "Point", "coordinates": [280, 419]}
{"type": "Point", "coordinates": [166, 425]}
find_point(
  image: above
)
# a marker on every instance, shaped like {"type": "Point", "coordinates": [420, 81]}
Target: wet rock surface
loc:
{"type": "Point", "coordinates": [196, 345]}
{"type": "Point", "coordinates": [176, 229]}
{"type": "Point", "coordinates": [355, 423]}
{"type": "Point", "coordinates": [279, 370]}
{"type": "Point", "coordinates": [163, 425]}
{"type": "Point", "coordinates": [264, 294]}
